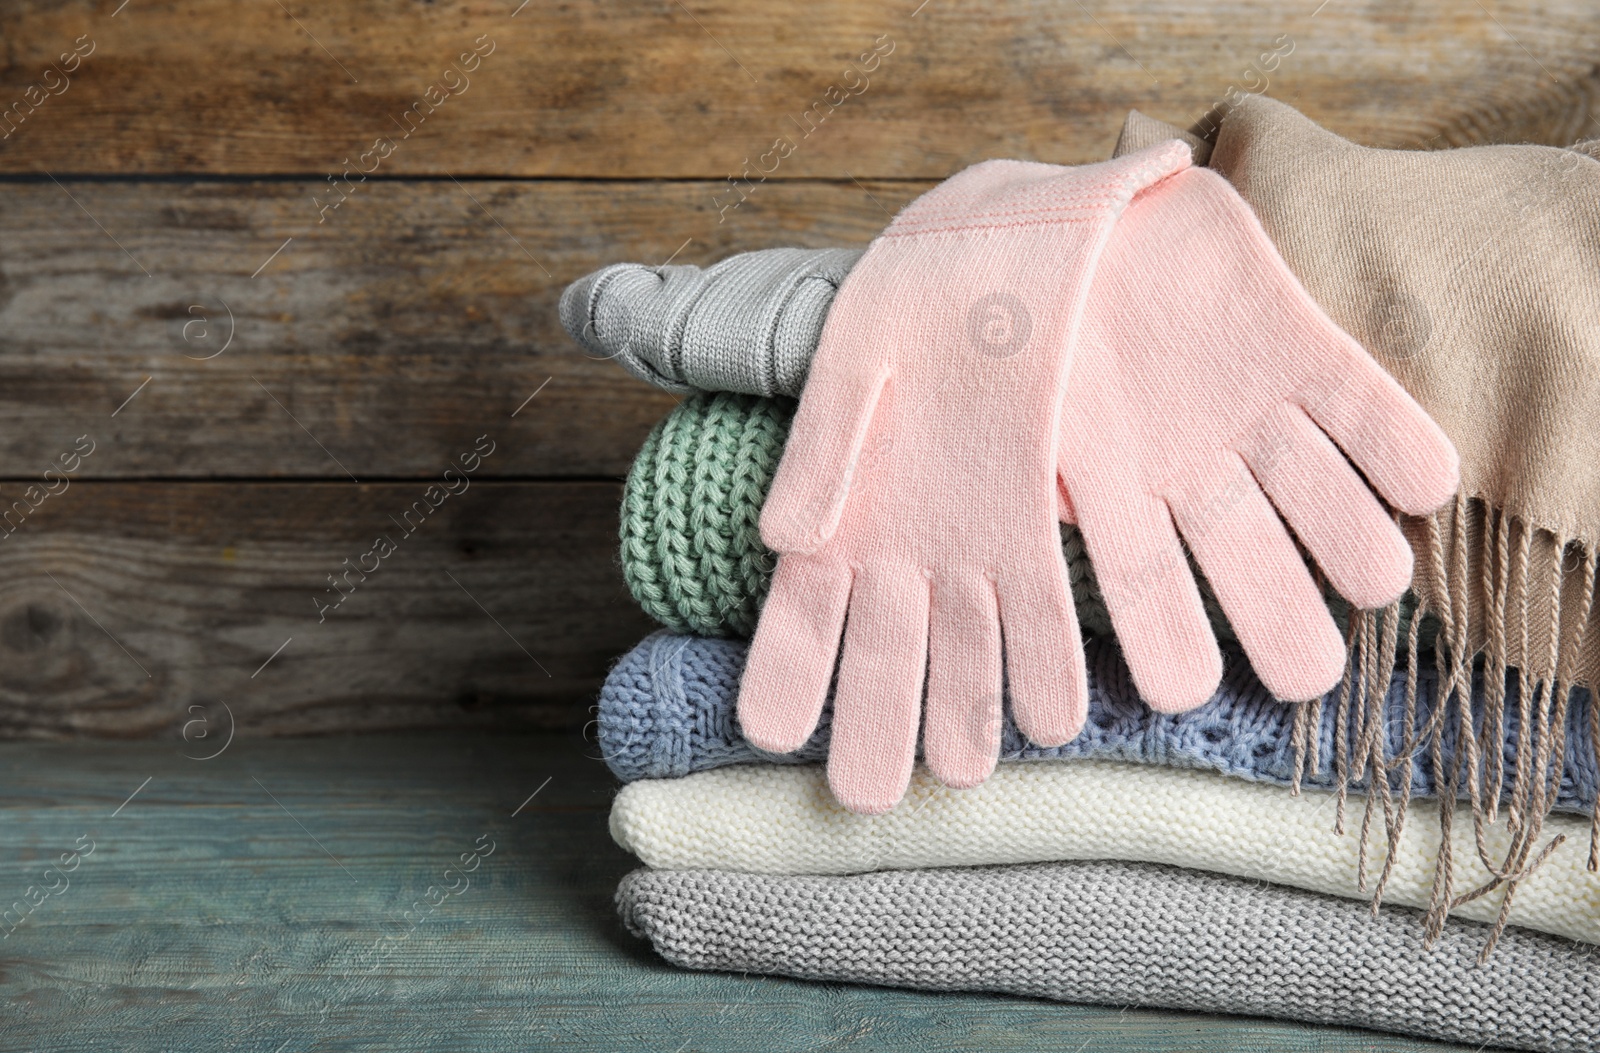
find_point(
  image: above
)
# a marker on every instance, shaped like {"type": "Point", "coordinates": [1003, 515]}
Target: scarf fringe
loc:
{"type": "Point", "coordinates": [1365, 757]}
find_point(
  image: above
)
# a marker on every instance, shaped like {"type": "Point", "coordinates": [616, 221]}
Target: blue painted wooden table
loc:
{"type": "Point", "coordinates": [233, 904]}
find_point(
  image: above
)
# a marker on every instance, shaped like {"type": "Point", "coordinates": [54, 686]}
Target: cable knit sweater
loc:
{"type": "Point", "coordinates": [1122, 934]}
{"type": "Point", "coordinates": [667, 709]}
{"type": "Point", "coordinates": [778, 819]}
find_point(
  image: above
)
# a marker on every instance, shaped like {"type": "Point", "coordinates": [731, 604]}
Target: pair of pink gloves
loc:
{"type": "Point", "coordinates": [1118, 345]}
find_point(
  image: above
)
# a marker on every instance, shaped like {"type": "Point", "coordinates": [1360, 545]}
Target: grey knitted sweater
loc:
{"type": "Point", "coordinates": [1127, 934]}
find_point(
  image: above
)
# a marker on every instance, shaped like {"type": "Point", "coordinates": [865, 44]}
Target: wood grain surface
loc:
{"type": "Point", "coordinates": [156, 609]}
{"type": "Point", "coordinates": [421, 311]}
{"type": "Point", "coordinates": [278, 262]}
{"type": "Point", "coordinates": [227, 903]}
{"type": "Point", "coordinates": [689, 89]}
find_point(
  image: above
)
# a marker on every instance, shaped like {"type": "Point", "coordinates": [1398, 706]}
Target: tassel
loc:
{"type": "Point", "coordinates": [1489, 560]}
{"type": "Point", "coordinates": [1525, 683]}
{"type": "Point", "coordinates": [1404, 757]}
{"type": "Point", "coordinates": [1495, 571]}
{"type": "Point", "coordinates": [1341, 721]}
{"type": "Point", "coordinates": [1380, 640]}
{"type": "Point", "coordinates": [1572, 647]}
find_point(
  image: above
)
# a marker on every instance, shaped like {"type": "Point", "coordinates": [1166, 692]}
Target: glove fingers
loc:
{"type": "Point", "coordinates": [1043, 649]}
{"type": "Point", "coordinates": [877, 706]}
{"type": "Point", "coordinates": [1263, 585]}
{"type": "Point", "coordinates": [1394, 442]}
{"type": "Point", "coordinates": [1334, 515]}
{"type": "Point", "coordinates": [790, 666]}
{"type": "Point", "coordinates": [1152, 598]}
{"type": "Point", "coordinates": [961, 737]}
{"type": "Point", "coordinates": [825, 455]}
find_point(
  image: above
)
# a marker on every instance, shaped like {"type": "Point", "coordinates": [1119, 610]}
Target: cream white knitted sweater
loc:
{"type": "Point", "coordinates": [780, 819]}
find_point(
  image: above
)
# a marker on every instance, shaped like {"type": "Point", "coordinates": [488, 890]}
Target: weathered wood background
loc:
{"type": "Point", "coordinates": [267, 378]}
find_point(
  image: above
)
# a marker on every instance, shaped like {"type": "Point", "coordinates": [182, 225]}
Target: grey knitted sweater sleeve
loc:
{"type": "Point", "coordinates": [748, 324]}
{"type": "Point", "coordinates": [1124, 933]}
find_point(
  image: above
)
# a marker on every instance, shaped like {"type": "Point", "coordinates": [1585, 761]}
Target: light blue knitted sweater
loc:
{"type": "Point", "coordinates": [667, 709]}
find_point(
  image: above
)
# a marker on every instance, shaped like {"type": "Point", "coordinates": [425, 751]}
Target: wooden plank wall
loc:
{"type": "Point", "coordinates": [282, 264]}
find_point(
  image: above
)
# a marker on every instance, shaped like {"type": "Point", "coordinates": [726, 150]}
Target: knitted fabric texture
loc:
{"type": "Point", "coordinates": [691, 545]}
{"type": "Point", "coordinates": [750, 327]}
{"type": "Point", "coordinates": [1212, 398]}
{"type": "Point", "coordinates": [1291, 362]}
{"type": "Point", "coordinates": [1385, 254]}
{"type": "Point", "coordinates": [667, 709]}
{"type": "Point", "coordinates": [1454, 266]}
{"type": "Point", "coordinates": [780, 819]}
{"type": "Point", "coordinates": [1471, 275]}
{"type": "Point", "coordinates": [1378, 237]}
{"type": "Point", "coordinates": [691, 551]}
{"type": "Point", "coordinates": [1121, 934]}
{"type": "Point", "coordinates": [888, 503]}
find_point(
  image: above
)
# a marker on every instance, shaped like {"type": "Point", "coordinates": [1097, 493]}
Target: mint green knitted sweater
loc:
{"type": "Point", "coordinates": [691, 541]}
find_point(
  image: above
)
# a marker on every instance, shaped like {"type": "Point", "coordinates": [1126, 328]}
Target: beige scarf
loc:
{"type": "Point", "coordinates": [1473, 275]}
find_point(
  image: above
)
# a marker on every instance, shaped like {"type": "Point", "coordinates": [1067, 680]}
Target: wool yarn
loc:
{"type": "Point", "coordinates": [1327, 375]}
{"type": "Point", "coordinates": [1520, 548]}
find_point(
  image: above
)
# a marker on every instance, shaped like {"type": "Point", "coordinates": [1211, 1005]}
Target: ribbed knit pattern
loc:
{"type": "Point", "coordinates": [1121, 934]}
{"type": "Point", "coordinates": [782, 819]}
{"type": "Point", "coordinates": [691, 546]}
{"type": "Point", "coordinates": [667, 709]}
{"type": "Point", "coordinates": [749, 328]}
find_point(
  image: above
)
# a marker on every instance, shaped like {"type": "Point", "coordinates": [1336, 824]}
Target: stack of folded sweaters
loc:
{"type": "Point", "coordinates": [1225, 852]}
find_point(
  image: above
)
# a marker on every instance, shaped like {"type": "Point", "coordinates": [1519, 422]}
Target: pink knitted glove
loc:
{"type": "Point", "coordinates": [918, 485]}
{"type": "Point", "coordinates": [1205, 375]}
